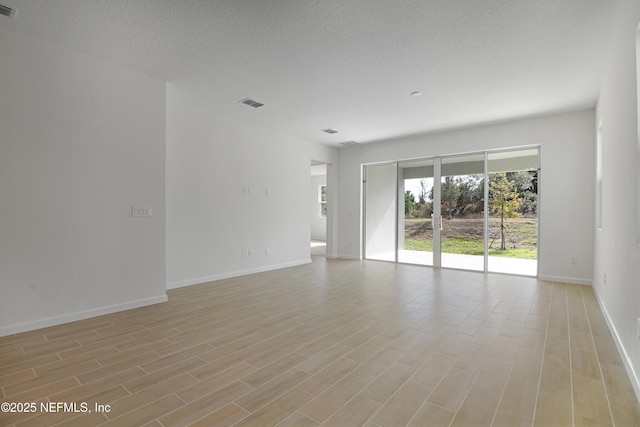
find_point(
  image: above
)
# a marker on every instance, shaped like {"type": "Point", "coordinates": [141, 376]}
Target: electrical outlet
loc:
{"type": "Point", "coordinates": [574, 261]}
{"type": "Point", "coordinates": [267, 251]}
{"type": "Point", "coordinates": [249, 252]}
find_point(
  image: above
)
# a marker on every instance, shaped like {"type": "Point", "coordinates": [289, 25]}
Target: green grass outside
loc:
{"type": "Point", "coordinates": [468, 247]}
{"type": "Point", "coordinates": [464, 236]}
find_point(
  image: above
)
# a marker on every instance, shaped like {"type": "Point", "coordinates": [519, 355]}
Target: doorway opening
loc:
{"type": "Point", "coordinates": [318, 209]}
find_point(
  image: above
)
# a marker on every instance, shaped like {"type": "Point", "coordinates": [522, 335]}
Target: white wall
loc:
{"type": "Point", "coordinates": [210, 158]}
{"type": "Point", "coordinates": [81, 142]}
{"type": "Point", "coordinates": [566, 204]}
{"type": "Point", "coordinates": [616, 253]}
{"type": "Point", "coordinates": [318, 224]}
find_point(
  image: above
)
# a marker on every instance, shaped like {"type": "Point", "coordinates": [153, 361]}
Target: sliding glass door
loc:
{"type": "Point", "coordinates": [415, 220]}
{"type": "Point", "coordinates": [380, 205]}
{"type": "Point", "coordinates": [462, 212]}
{"type": "Point", "coordinates": [513, 212]}
{"type": "Point", "coordinates": [440, 211]}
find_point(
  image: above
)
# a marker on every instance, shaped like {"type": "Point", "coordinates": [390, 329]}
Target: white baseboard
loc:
{"type": "Point", "coordinates": [633, 375]}
{"type": "Point", "coordinates": [357, 258]}
{"type": "Point", "coordinates": [570, 280]}
{"type": "Point", "coordinates": [79, 315]}
{"type": "Point", "coordinates": [213, 278]}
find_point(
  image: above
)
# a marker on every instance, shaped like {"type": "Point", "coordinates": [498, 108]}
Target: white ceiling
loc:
{"type": "Point", "coordinates": [349, 65]}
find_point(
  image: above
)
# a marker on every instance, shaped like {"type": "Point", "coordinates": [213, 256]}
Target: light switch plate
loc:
{"type": "Point", "coordinates": [141, 211]}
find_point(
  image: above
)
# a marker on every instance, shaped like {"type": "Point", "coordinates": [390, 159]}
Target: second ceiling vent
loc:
{"type": "Point", "coordinates": [7, 11]}
{"type": "Point", "coordinates": [251, 102]}
{"type": "Point", "coordinates": [349, 143]}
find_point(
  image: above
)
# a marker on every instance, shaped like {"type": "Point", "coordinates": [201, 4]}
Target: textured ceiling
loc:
{"type": "Point", "coordinates": [349, 65]}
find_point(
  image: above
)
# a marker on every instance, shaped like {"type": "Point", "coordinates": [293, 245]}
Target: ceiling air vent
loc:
{"type": "Point", "coordinates": [349, 143]}
{"type": "Point", "coordinates": [251, 102]}
{"type": "Point", "coordinates": [7, 11]}
{"type": "Point", "coordinates": [329, 131]}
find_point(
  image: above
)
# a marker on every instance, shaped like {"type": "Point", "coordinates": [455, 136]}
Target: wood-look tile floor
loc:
{"type": "Point", "coordinates": [333, 343]}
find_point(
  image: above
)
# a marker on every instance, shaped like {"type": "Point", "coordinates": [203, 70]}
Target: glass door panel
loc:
{"type": "Point", "coordinates": [462, 212]}
{"type": "Point", "coordinates": [380, 207]}
{"type": "Point", "coordinates": [513, 212]}
{"type": "Point", "coordinates": [415, 216]}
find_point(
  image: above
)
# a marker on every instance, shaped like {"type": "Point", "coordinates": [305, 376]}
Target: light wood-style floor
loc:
{"type": "Point", "coordinates": [333, 343]}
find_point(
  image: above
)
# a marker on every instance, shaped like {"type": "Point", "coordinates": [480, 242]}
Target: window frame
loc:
{"type": "Point", "coordinates": [322, 201]}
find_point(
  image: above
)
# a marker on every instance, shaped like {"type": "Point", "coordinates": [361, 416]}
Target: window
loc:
{"type": "Point", "coordinates": [322, 201]}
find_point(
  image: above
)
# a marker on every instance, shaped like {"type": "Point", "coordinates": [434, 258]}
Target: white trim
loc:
{"type": "Point", "coordinates": [539, 255]}
{"type": "Point", "coordinates": [459, 154]}
{"type": "Point", "coordinates": [80, 315]}
{"type": "Point", "coordinates": [353, 257]}
{"type": "Point", "coordinates": [638, 135]}
{"type": "Point", "coordinates": [631, 372]}
{"type": "Point", "coordinates": [599, 192]}
{"type": "Point", "coordinates": [485, 214]}
{"type": "Point", "coordinates": [570, 280]}
{"type": "Point", "coordinates": [213, 278]}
